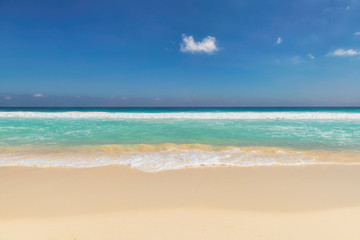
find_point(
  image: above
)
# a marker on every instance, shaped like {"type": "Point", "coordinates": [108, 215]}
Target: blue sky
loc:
{"type": "Point", "coordinates": [180, 53]}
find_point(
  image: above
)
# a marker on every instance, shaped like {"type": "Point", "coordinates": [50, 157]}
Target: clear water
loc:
{"type": "Point", "coordinates": [330, 134]}
{"type": "Point", "coordinates": [296, 134]}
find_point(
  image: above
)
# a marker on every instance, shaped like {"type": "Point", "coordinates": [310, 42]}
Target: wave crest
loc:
{"type": "Point", "coordinates": [187, 115]}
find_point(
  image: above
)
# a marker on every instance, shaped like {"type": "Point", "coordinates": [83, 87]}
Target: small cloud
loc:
{"type": "Point", "coordinates": [296, 60]}
{"type": "Point", "coordinates": [337, 10]}
{"type": "Point", "coordinates": [311, 56]}
{"type": "Point", "coordinates": [342, 52]}
{"type": "Point", "coordinates": [7, 97]}
{"type": "Point", "coordinates": [157, 99]}
{"type": "Point", "coordinates": [38, 95]}
{"type": "Point", "coordinates": [124, 98]}
{"type": "Point", "coordinates": [207, 45]}
{"type": "Point", "coordinates": [357, 33]}
{"type": "Point", "coordinates": [279, 41]}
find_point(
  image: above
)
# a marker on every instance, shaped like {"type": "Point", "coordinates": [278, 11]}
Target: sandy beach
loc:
{"type": "Point", "coordinates": [179, 120]}
{"type": "Point", "coordinates": [113, 202]}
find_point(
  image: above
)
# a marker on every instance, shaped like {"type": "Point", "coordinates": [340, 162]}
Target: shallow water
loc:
{"type": "Point", "coordinates": [155, 139]}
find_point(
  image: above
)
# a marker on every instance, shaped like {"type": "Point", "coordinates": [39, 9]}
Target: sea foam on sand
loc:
{"type": "Point", "coordinates": [149, 157]}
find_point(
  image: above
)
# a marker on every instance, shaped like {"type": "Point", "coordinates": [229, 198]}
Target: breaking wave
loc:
{"type": "Point", "coordinates": [187, 115]}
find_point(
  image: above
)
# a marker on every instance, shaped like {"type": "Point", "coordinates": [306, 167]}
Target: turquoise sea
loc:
{"type": "Point", "coordinates": [166, 138]}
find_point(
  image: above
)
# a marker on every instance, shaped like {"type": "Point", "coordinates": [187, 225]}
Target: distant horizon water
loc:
{"type": "Point", "coordinates": [180, 108]}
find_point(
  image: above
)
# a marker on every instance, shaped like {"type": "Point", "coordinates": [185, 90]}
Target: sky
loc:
{"type": "Point", "coordinates": [179, 53]}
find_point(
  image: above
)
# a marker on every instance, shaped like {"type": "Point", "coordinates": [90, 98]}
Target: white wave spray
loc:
{"type": "Point", "coordinates": [187, 115]}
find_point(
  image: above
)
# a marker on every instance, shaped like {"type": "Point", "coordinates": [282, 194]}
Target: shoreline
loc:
{"type": "Point", "coordinates": [197, 167]}
{"type": "Point", "coordinates": [168, 156]}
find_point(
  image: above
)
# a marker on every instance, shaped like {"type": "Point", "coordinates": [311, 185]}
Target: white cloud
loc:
{"type": "Point", "coordinates": [7, 97]}
{"type": "Point", "coordinates": [357, 34]}
{"type": "Point", "coordinates": [342, 52]}
{"type": "Point", "coordinates": [279, 41]}
{"type": "Point", "coordinates": [38, 95]}
{"type": "Point", "coordinates": [207, 45]}
{"type": "Point", "coordinates": [124, 98]}
{"type": "Point", "coordinates": [311, 56]}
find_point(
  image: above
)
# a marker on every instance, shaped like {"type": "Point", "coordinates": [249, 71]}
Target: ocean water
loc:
{"type": "Point", "coordinates": [153, 139]}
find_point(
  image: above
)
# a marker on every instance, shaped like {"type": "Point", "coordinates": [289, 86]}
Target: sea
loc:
{"type": "Point", "coordinates": [154, 139]}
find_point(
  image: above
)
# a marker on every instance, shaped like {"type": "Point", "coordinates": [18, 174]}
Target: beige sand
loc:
{"type": "Point", "coordinates": [312, 202]}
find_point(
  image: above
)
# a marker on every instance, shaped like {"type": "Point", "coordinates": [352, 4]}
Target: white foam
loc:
{"type": "Point", "coordinates": [187, 115]}
{"type": "Point", "coordinates": [156, 161]}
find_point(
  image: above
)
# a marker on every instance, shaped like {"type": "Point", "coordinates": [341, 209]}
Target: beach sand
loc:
{"type": "Point", "coordinates": [113, 202]}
